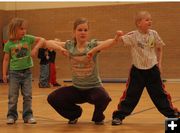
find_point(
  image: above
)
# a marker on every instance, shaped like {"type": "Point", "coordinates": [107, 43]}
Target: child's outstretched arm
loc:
{"type": "Point", "coordinates": [105, 44]}
{"type": "Point", "coordinates": [39, 44]}
{"type": "Point", "coordinates": [5, 67]}
{"type": "Point", "coordinates": [53, 44]}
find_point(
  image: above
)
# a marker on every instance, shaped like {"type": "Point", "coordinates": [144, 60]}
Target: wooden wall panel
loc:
{"type": "Point", "coordinates": [2, 19]}
{"type": "Point", "coordinates": [104, 21]}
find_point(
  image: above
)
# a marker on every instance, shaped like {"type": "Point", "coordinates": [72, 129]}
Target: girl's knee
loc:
{"type": "Point", "coordinates": [107, 99]}
{"type": "Point", "coordinates": [50, 98]}
{"type": "Point", "coordinates": [104, 99]}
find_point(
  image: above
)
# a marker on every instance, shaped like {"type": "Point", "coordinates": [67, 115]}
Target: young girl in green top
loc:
{"type": "Point", "coordinates": [18, 54]}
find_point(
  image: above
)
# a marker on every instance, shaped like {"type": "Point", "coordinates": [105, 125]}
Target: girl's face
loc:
{"type": "Point", "coordinates": [81, 33]}
{"type": "Point", "coordinates": [21, 31]}
{"type": "Point", "coordinates": [145, 23]}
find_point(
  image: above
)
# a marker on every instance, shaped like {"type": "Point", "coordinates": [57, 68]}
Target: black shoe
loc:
{"type": "Point", "coordinates": [99, 122]}
{"type": "Point", "coordinates": [116, 121]}
{"type": "Point", "coordinates": [40, 85]}
{"type": "Point", "coordinates": [44, 86]}
{"type": "Point", "coordinates": [56, 84]}
{"type": "Point", "coordinates": [72, 121]}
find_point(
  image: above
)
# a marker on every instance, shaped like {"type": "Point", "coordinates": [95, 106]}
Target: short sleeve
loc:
{"type": "Point", "coordinates": [68, 44]}
{"type": "Point", "coordinates": [6, 47]}
{"type": "Point", "coordinates": [30, 38]}
{"type": "Point", "coordinates": [128, 38]}
{"type": "Point", "coordinates": [158, 41]}
{"type": "Point", "coordinates": [93, 43]}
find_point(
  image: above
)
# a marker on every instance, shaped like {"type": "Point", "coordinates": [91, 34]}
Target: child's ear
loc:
{"type": "Point", "coordinates": [138, 23]}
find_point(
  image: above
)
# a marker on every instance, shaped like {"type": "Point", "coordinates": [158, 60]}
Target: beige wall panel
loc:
{"type": "Point", "coordinates": [50, 5]}
{"type": "Point", "coordinates": [104, 21]}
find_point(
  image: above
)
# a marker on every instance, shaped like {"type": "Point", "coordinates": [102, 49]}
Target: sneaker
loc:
{"type": "Point", "coordinates": [73, 121]}
{"type": "Point", "coordinates": [116, 121]}
{"type": "Point", "coordinates": [44, 86]}
{"type": "Point", "coordinates": [30, 121]}
{"type": "Point", "coordinates": [10, 121]}
{"type": "Point", "coordinates": [177, 114]}
{"type": "Point", "coordinates": [99, 122]}
{"type": "Point", "coordinates": [56, 84]}
{"type": "Point", "coordinates": [40, 85]}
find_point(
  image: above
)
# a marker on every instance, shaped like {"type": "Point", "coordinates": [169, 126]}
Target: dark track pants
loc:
{"type": "Point", "coordinates": [64, 100]}
{"type": "Point", "coordinates": [150, 79]}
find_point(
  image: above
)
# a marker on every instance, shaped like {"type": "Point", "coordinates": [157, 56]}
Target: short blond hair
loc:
{"type": "Point", "coordinates": [140, 15]}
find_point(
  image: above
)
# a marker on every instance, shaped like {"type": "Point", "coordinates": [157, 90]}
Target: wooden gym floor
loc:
{"type": "Point", "coordinates": [144, 119]}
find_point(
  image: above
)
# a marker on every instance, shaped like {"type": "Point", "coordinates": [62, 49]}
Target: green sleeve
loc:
{"type": "Point", "coordinates": [6, 47]}
{"type": "Point", "coordinates": [30, 38]}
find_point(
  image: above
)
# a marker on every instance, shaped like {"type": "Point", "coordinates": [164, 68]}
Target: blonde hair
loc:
{"type": "Point", "coordinates": [13, 26]}
{"type": "Point", "coordinates": [140, 15]}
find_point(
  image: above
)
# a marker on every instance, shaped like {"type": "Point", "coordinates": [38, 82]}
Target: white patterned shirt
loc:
{"type": "Point", "coordinates": [143, 47]}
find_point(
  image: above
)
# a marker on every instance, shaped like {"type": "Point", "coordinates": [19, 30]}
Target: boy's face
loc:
{"type": "Point", "coordinates": [21, 31]}
{"type": "Point", "coordinates": [81, 32]}
{"type": "Point", "coordinates": [145, 23]}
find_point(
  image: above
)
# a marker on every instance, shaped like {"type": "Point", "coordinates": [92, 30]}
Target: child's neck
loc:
{"type": "Point", "coordinates": [16, 40]}
{"type": "Point", "coordinates": [81, 46]}
{"type": "Point", "coordinates": [143, 31]}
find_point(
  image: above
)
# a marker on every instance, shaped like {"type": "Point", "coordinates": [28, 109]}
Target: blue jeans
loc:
{"type": "Point", "coordinates": [20, 79]}
{"type": "Point", "coordinates": [44, 75]}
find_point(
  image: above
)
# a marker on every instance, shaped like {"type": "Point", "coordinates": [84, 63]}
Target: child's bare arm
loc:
{"type": "Point", "coordinates": [39, 43]}
{"type": "Point", "coordinates": [105, 44]}
{"type": "Point", "coordinates": [5, 67]}
{"type": "Point", "coordinates": [57, 45]}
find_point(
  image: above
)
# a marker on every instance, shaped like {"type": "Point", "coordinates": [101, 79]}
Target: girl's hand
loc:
{"type": "Point", "coordinates": [5, 78]}
{"type": "Point", "coordinates": [64, 52]}
{"type": "Point", "coordinates": [119, 33]}
{"type": "Point", "coordinates": [33, 52]}
{"type": "Point", "coordinates": [89, 55]}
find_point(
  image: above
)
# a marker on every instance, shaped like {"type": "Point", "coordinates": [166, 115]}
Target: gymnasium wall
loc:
{"type": "Point", "coordinates": [2, 13]}
{"type": "Point", "coordinates": [49, 5]}
{"type": "Point", "coordinates": [104, 22]}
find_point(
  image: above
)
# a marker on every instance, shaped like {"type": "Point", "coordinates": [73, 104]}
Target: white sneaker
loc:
{"type": "Point", "coordinates": [30, 121]}
{"type": "Point", "coordinates": [116, 121]}
{"type": "Point", "coordinates": [10, 121]}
